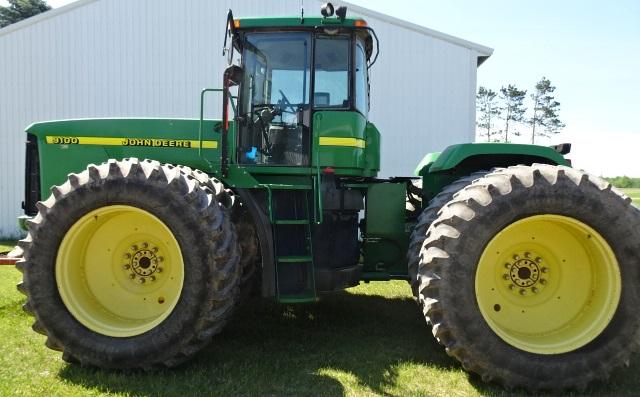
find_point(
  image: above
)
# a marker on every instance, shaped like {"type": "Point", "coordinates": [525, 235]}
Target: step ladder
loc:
{"type": "Point", "coordinates": [291, 222]}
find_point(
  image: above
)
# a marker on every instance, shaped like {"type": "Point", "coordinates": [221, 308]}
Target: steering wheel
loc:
{"type": "Point", "coordinates": [286, 103]}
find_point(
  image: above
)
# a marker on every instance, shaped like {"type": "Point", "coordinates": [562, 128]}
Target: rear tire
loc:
{"type": "Point", "coordinates": [576, 227]}
{"type": "Point", "coordinates": [179, 227]}
{"type": "Point", "coordinates": [426, 218]}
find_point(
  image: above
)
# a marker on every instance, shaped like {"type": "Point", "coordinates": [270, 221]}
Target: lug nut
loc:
{"type": "Point", "coordinates": [134, 247]}
{"type": "Point", "coordinates": [141, 280]}
{"type": "Point", "coordinates": [127, 256]}
{"type": "Point", "coordinates": [159, 270]}
{"type": "Point", "coordinates": [160, 259]}
{"type": "Point", "coordinates": [539, 260]}
{"type": "Point", "coordinates": [152, 278]}
{"type": "Point", "coordinates": [543, 281]}
{"type": "Point", "coordinates": [145, 245]}
{"type": "Point", "coordinates": [154, 249]}
{"type": "Point", "coordinates": [527, 255]}
{"type": "Point", "coordinates": [535, 290]}
{"type": "Point", "coordinates": [126, 267]}
{"type": "Point", "coordinates": [516, 257]}
{"type": "Point", "coordinates": [512, 286]}
{"type": "Point", "coordinates": [507, 265]}
{"type": "Point", "coordinates": [505, 276]}
{"type": "Point", "coordinates": [523, 291]}
{"type": "Point", "coordinates": [132, 276]}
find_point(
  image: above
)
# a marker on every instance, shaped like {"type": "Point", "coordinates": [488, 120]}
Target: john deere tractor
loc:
{"type": "Point", "coordinates": [154, 230]}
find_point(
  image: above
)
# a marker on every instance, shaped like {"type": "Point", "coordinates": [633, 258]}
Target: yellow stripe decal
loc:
{"type": "Point", "coordinates": [336, 141]}
{"type": "Point", "coordinates": [147, 142]}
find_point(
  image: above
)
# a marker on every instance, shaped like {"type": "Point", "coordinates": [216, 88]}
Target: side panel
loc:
{"type": "Point", "coordinates": [372, 150]}
{"type": "Point", "coordinates": [339, 140]}
{"type": "Point", "coordinates": [69, 146]}
{"type": "Point", "coordinates": [386, 240]}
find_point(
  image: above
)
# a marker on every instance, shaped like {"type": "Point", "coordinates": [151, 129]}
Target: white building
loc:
{"type": "Point", "coordinates": [110, 58]}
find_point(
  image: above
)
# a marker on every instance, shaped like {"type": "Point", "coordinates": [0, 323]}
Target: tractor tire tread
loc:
{"type": "Point", "coordinates": [459, 228]}
{"type": "Point", "coordinates": [202, 205]}
{"type": "Point", "coordinates": [426, 218]}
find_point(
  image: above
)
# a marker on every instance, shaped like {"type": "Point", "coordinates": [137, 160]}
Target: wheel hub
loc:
{"type": "Point", "coordinates": [524, 273]}
{"type": "Point", "coordinates": [143, 262]}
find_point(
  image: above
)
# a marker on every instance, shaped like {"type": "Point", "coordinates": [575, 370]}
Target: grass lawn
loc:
{"type": "Point", "coordinates": [6, 246]}
{"type": "Point", "coordinates": [369, 341]}
{"type": "Point", "coordinates": [634, 194]}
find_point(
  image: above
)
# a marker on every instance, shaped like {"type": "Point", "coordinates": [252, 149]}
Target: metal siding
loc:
{"type": "Point", "coordinates": [118, 58]}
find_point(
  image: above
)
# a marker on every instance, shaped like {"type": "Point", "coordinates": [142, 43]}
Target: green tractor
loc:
{"type": "Point", "coordinates": [155, 229]}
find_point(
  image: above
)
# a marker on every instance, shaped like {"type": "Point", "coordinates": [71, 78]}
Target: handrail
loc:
{"type": "Point", "coordinates": [202, 94]}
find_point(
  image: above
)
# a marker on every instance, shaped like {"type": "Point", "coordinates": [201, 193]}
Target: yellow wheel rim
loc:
{"type": "Point", "coordinates": [119, 271]}
{"type": "Point", "coordinates": [548, 284]}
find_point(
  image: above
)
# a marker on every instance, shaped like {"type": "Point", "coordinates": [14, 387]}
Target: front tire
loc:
{"type": "Point", "coordinates": [130, 264]}
{"type": "Point", "coordinates": [529, 277]}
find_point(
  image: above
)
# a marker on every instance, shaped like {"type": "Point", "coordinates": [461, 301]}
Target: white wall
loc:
{"type": "Point", "coordinates": [111, 58]}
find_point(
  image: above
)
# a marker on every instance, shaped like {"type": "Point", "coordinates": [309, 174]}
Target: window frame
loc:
{"type": "Point", "coordinates": [359, 41]}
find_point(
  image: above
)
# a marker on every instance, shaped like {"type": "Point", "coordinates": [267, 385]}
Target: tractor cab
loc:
{"type": "Point", "coordinates": [290, 73]}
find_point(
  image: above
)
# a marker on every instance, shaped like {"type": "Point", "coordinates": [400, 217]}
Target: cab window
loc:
{"type": "Point", "coordinates": [331, 85]}
{"type": "Point", "coordinates": [362, 84]}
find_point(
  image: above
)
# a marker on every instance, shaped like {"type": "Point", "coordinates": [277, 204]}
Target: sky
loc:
{"type": "Point", "coordinates": [589, 49]}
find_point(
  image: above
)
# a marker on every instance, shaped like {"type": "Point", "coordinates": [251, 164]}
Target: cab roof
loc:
{"type": "Point", "coordinates": [294, 22]}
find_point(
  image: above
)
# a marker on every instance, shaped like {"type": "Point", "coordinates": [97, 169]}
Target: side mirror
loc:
{"type": "Point", "coordinates": [233, 75]}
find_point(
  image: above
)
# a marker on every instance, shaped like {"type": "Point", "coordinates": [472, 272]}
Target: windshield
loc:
{"type": "Point", "coordinates": [274, 98]}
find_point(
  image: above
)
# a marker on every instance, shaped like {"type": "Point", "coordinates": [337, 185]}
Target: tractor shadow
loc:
{"type": "Point", "coordinates": [270, 349]}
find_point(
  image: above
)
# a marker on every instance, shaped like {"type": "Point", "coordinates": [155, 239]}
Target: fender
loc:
{"type": "Point", "coordinates": [456, 161]}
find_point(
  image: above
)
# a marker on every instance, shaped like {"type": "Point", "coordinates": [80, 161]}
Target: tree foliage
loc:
{"type": "Point", "coordinates": [513, 109]}
{"type": "Point", "coordinates": [21, 9]}
{"type": "Point", "coordinates": [545, 120]}
{"type": "Point", "coordinates": [624, 182]}
{"type": "Point", "coordinates": [488, 111]}
{"type": "Point", "coordinates": [511, 106]}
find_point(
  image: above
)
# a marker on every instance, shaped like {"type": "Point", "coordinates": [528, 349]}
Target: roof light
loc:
{"type": "Point", "coordinates": [327, 10]}
{"type": "Point", "coordinates": [236, 23]}
{"type": "Point", "coordinates": [360, 23]}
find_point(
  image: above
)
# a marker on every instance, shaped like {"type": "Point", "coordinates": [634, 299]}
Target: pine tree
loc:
{"type": "Point", "coordinates": [545, 120]}
{"type": "Point", "coordinates": [488, 111]}
{"type": "Point", "coordinates": [21, 9]}
{"type": "Point", "coordinates": [514, 108]}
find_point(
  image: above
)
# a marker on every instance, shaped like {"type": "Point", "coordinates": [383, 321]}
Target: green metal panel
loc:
{"type": "Point", "coordinates": [386, 238]}
{"type": "Point", "coordinates": [453, 155]}
{"type": "Point", "coordinates": [372, 150]}
{"type": "Point", "coordinates": [441, 169]}
{"type": "Point", "coordinates": [426, 162]}
{"type": "Point", "coordinates": [289, 22]}
{"type": "Point", "coordinates": [70, 145]}
{"type": "Point", "coordinates": [339, 140]}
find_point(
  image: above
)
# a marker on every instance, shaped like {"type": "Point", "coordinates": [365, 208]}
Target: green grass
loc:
{"type": "Point", "coordinates": [634, 193]}
{"type": "Point", "coordinates": [6, 246]}
{"type": "Point", "coordinates": [370, 341]}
